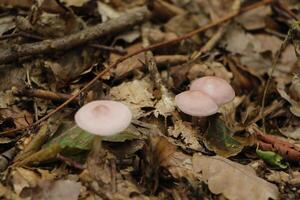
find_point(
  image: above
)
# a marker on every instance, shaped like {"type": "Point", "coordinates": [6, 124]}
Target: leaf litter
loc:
{"type": "Point", "coordinates": [248, 151]}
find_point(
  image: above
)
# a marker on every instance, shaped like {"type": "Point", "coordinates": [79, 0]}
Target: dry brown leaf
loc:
{"type": "Point", "coordinates": [166, 104]}
{"type": "Point", "coordinates": [6, 23]}
{"type": "Point", "coordinates": [291, 132]}
{"type": "Point", "coordinates": [254, 19]}
{"type": "Point", "coordinates": [23, 178]}
{"type": "Point", "coordinates": [106, 11]}
{"type": "Point", "coordinates": [187, 133]}
{"type": "Point", "coordinates": [209, 69]}
{"type": "Point", "coordinates": [295, 106]}
{"type": "Point", "coordinates": [176, 162]}
{"type": "Point", "coordinates": [233, 180]}
{"type": "Point", "coordinates": [72, 64]}
{"type": "Point", "coordinates": [129, 64]}
{"type": "Point", "coordinates": [12, 76]}
{"type": "Point", "coordinates": [54, 190]}
{"type": "Point", "coordinates": [294, 89]}
{"type": "Point", "coordinates": [6, 98]}
{"type": "Point", "coordinates": [136, 94]}
{"type": "Point", "coordinates": [278, 177]}
{"type": "Point", "coordinates": [20, 118]}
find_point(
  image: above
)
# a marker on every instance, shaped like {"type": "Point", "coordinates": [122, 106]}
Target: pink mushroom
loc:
{"type": "Point", "coordinates": [103, 118]}
{"type": "Point", "coordinates": [218, 89]}
{"type": "Point", "coordinates": [196, 103]}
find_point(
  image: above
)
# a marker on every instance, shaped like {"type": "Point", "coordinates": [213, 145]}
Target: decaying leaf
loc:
{"type": "Point", "coordinates": [187, 133]}
{"type": "Point", "coordinates": [136, 94]}
{"type": "Point", "coordinates": [20, 118]}
{"type": "Point", "coordinates": [255, 19]}
{"type": "Point", "coordinates": [291, 132]}
{"type": "Point", "coordinates": [295, 106]}
{"type": "Point", "coordinates": [233, 180]}
{"type": "Point", "coordinates": [209, 69]}
{"type": "Point", "coordinates": [23, 178]}
{"type": "Point", "coordinates": [166, 104]}
{"type": "Point", "coordinates": [219, 139]}
{"type": "Point", "coordinates": [54, 190]}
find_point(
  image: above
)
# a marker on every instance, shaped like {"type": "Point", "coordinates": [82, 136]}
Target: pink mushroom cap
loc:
{"type": "Point", "coordinates": [218, 89]}
{"type": "Point", "coordinates": [196, 103]}
{"type": "Point", "coordinates": [103, 118]}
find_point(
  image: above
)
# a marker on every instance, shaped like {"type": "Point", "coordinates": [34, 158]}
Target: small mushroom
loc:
{"type": "Point", "coordinates": [197, 104]}
{"type": "Point", "coordinates": [218, 89]}
{"type": "Point", "coordinates": [103, 118]}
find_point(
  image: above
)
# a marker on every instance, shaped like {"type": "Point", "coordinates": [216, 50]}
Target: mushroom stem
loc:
{"type": "Point", "coordinates": [199, 122]}
{"type": "Point", "coordinates": [97, 145]}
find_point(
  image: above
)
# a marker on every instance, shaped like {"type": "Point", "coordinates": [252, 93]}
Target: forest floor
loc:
{"type": "Point", "coordinates": [58, 55]}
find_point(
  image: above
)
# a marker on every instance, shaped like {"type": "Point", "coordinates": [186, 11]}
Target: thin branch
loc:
{"type": "Point", "coordinates": [283, 46]}
{"type": "Point", "coordinates": [43, 94]}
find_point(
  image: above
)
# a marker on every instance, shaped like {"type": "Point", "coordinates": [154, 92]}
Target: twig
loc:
{"type": "Point", "coordinates": [126, 20]}
{"type": "Point", "coordinates": [35, 144]}
{"type": "Point", "coordinates": [283, 7]}
{"type": "Point", "coordinates": [189, 35]}
{"type": "Point", "coordinates": [21, 33]}
{"type": "Point", "coordinates": [43, 94]}
{"type": "Point", "coordinates": [273, 68]}
{"type": "Point", "coordinates": [276, 105]}
{"type": "Point", "coordinates": [273, 143]}
{"type": "Point", "coordinates": [70, 162]}
{"type": "Point", "coordinates": [6, 157]}
{"type": "Point", "coordinates": [111, 49]}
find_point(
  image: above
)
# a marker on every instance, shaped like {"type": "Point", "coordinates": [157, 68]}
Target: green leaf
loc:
{"type": "Point", "coordinates": [219, 139]}
{"type": "Point", "coordinates": [76, 138]}
{"type": "Point", "coordinates": [272, 158]}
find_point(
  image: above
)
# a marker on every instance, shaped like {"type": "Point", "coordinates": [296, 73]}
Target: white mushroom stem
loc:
{"type": "Point", "coordinates": [97, 145]}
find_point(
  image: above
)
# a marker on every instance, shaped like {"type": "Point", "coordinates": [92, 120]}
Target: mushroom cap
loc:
{"type": "Point", "coordinates": [218, 89]}
{"type": "Point", "coordinates": [196, 103]}
{"type": "Point", "coordinates": [103, 118]}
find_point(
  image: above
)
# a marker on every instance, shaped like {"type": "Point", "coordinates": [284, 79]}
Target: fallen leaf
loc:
{"type": "Point", "coordinates": [185, 132]}
{"type": "Point", "coordinates": [291, 132]}
{"type": "Point", "coordinates": [136, 94]}
{"type": "Point", "coordinates": [233, 180]}
{"type": "Point", "coordinates": [106, 11]}
{"type": "Point", "coordinates": [166, 104]}
{"type": "Point", "coordinates": [219, 139]}
{"type": "Point", "coordinates": [6, 23]}
{"type": "Point", "coordinates": [23, 178]}
{"type": "Point", "coordinates": [295, 106]}
{"type": "Point", "coordinates": [20, 118]}
{"type": "Point", "coordinates": [54, 190]}
{"type": "Point", "coordinates": [209, 69]}
{"type": "Point", "coordinates": [254, 19]}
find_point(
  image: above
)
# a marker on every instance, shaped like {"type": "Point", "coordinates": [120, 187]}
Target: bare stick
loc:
{"type": "Point", "coordinates": [43, 94]}
{"type": "Point", "coordinates": [189, 35]}
{"type": "Point", "coordinates": [125, 21]}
